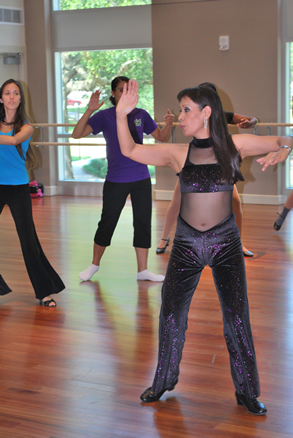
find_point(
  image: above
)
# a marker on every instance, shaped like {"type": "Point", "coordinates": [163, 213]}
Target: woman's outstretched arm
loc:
{"type": "Point", "coordinates": [277, 148]}
{"type": "Point", "coordinates": [24, 133]}
{"type": "Point", "coordinates": [273, 158]}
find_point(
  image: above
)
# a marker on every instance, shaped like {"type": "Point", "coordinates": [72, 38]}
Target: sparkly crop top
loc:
{"type": "Point", "coordinates": [206, 199]}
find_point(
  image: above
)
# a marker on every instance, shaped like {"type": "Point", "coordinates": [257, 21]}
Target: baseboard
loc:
{"type": "Point", "coordinates": [51, 190]}
{"type": "Point", "coordinates": [263, 199]}
{"type": "Point", "coordinates": [158, 195]}
{"type": "Point", "coordinates": [163, 195]}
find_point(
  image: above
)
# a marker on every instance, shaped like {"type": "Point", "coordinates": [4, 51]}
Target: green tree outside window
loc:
{"type": "Point", "coordinates": [85, 72]}
{"type": "Point", "coordinates": [89, 4]}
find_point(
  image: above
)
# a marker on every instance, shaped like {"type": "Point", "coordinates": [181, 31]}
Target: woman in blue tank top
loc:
{"type": "Point", "coordinates": [206, 232]}
{"type": "Point", "coordinates": [16, 156]}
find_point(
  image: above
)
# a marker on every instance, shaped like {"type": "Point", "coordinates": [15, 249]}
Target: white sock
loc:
{"type": "Point", "coordinates": [88, 273]}
{"type": "Point", "coordinates": [148, 275]}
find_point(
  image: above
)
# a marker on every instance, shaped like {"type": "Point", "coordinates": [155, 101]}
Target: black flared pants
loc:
{"type": "Point", "coordinates": [44, 278]}
{"type": "Point", "coordinates": [221, 249]}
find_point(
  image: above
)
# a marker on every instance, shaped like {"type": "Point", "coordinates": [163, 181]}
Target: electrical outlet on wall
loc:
{"type": "Point", "coordinates": [224, 42]}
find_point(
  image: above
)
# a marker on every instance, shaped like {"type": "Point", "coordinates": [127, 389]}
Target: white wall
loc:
{"type": "Point", "coordinates": [12, 41]}
{"type": "Point", "coordinates": [185, 43]}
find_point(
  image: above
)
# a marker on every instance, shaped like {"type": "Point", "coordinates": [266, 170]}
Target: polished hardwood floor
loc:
{"type": "Point", "coordinates": [77, 371]}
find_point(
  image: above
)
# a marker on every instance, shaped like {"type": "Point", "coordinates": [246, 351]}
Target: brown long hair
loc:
{"type": "Point", "coordinates": [225, 151]}
{"type": "Point", "coordinates": [19, 119]}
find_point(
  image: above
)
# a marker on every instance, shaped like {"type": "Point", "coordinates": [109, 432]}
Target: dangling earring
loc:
{"type": "Point", "coordinates": [205, 123]}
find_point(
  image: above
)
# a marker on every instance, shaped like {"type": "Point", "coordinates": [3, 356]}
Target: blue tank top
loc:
{"type": "Point", "coordinates": [13, 170]}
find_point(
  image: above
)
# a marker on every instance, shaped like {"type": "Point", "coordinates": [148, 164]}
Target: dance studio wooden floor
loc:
{"type": "Point", "coordinates": [77, 371]}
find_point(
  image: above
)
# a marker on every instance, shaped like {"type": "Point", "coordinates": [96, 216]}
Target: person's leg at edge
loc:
{"type": "Point", "coordinates": [109, 218]}
{"type": "Point", "coordinates": [287, 207]}
{"type": "Point", "coordinates": [229, 274]}
{"type": "Point", "coordinates": [237, 210]}
{"type": "Point", "coordinates": [171, 216]}
{"type": "Point", "coordinates": [4, 288]}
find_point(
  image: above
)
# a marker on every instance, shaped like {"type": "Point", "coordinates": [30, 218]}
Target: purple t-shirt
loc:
{"type": "Point", "coordinates": [120, 168]}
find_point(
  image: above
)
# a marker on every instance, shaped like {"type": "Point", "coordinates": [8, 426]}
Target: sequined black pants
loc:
{"type": "Point", "coordinates": [221, 249]}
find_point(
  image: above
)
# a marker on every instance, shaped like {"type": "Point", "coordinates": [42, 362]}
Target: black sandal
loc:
{"type": "Point", "coordinates": [48, 302]}
{"type": "Point", "coordinates": [276, 226]}
{"type": "Point", "coordinates": [4, 288]}
{"type": "Point", "coordinates": [162, 250]}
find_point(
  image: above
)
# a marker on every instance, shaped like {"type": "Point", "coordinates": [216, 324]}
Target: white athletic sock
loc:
{"type": "Point", "coordinates": [148, 275]}
{"type": "Point", "coordinates": [88, 273]}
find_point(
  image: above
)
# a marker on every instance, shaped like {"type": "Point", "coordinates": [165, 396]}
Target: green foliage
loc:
{"type": "Point", "coordinates": [88, 4]}
{"type": "Point", "coordinates": [97, 167]}
{"type": "Point", "coordinates": [152, 170]}
{"type": "Point", "coordinates": [89, 71]}
{"type": "Point", "coordinates": [78, 158]}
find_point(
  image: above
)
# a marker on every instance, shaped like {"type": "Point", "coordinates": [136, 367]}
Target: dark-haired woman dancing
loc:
{"type": "Point", "coordinates": [206, 232]}
{"type": "Point", "coordinates": [15, 154]}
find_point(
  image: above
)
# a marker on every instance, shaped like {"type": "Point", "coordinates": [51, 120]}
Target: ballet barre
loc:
{"type": "Point", "coordinates": [41, 126]}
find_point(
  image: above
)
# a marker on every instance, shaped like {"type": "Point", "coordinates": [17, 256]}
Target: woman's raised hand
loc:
{"type": "Point", "coordinates": [128, 99]}
{"type": "Point", "coordinates": [169, 118]}
{"type": "Point", "coordinates": [94, 103]}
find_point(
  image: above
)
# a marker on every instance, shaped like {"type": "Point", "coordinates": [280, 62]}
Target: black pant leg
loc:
{"type": "Point", "coordinates": [141, 200]}
{"type": "Point", "coordinates": [182, 277]}
{"type": "Point", "coordinates": [4, 288]}
{"type": "Point", "coordinates": [229, 274]}
{"type": "Point", "coordinates": [44, 278]}
{"type": "Point", "coordinates": [114, 198]}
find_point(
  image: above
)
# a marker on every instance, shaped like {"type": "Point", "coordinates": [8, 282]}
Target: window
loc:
{"type": "Point", "coordinates": [11, 15]}
{"type": "Point", "coordinates": [78, 74]}
{"type": "Point", "coordinates": [289, 115]}
{"type": "Point", "coordinates": [89, 4]}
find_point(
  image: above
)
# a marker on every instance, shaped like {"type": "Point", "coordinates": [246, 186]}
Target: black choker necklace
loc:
{"type": "Point", "coordinates": [202, 143]}
{"type": "Point", "coordinates": [6, 123]}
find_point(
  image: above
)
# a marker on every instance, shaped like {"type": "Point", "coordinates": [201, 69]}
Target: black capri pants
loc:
{"type": "Point", "coordinates": [44, 278]}
{"type": "Point", "coordinates": [114, 199]}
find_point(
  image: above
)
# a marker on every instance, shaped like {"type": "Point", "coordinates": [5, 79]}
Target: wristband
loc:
{"type": "Point", "coordinates": [286, 147]}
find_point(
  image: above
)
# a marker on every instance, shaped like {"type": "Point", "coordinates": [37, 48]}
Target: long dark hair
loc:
{"type": "Point", "coordinates": [225, 151]}
{"type": "Point", "coordinates": [19, 119]}
{"type": "Point", "coordinates": [114, 84]}
{"type": "Point", "coordinates": [208, 84]}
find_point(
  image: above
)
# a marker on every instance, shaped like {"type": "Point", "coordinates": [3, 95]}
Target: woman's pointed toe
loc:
{"type": "Point", "coordinates": [148, 396]}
